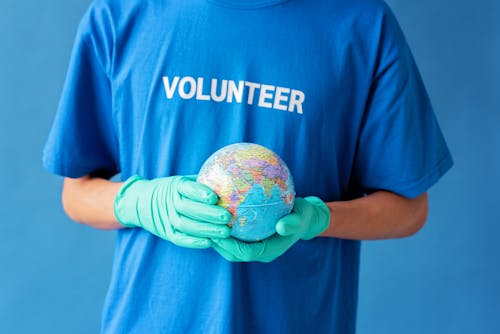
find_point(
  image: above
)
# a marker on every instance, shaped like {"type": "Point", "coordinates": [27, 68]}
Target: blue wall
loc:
{"type": "Point", "coordinates": [54, 273]}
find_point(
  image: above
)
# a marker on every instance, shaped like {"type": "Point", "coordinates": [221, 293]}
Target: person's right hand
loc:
{"type": "Point", "coordinates": [175, 208]}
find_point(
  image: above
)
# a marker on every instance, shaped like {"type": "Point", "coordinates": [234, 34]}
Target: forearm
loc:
{"type": "Point", "coordinates": [381, 215]}
{"type": "Point", "coordinates": [89, 200]}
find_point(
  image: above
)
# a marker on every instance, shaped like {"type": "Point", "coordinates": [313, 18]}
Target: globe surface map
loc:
{"type": "Point", "coordinates": [254, 184]}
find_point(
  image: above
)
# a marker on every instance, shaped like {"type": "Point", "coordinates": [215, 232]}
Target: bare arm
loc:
{"type": "Point", "coordinates": [381, 215]}
{"type": "Point", "coordinates": [89, 200]}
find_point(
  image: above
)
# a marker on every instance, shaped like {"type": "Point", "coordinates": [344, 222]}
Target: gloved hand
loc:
{"type": "Point", "coordinates": [175, 208]}
{"type": "Point", "coordinates": [310, 217]}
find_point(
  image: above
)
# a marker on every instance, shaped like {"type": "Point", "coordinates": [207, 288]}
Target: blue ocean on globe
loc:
{"type": "Point", "coordinates": [264, 211]}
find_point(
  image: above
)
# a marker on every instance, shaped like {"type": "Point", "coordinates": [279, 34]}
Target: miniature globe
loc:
{"type": "Point", "coordinates": [254, 184]}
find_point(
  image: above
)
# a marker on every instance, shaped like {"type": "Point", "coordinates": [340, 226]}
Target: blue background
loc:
{"type": "Point", "coordinates": [446, 279]}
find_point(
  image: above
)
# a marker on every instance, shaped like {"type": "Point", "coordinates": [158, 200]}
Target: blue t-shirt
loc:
{"type": "Point", "coordinates": [155, 87]}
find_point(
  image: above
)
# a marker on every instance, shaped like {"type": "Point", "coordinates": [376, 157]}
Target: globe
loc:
{"type": "Point", "coordinates": [254, 184]}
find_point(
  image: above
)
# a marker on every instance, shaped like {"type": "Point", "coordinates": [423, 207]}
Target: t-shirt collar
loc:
{"type": "Point", "coordinates": [247, 4]}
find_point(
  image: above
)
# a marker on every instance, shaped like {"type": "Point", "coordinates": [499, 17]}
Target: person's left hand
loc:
{"type": "Point", "coordinates": [310, 217]}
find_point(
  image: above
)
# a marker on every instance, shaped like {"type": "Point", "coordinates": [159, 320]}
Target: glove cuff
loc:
{"type": "Point", "coordinates": [125, 202]}
{"type": "Point", "coordinates": [323, 217]}
{"type": "Point", "coordinates": [320, 204]}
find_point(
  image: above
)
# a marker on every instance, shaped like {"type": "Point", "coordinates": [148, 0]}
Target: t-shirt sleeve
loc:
{"type": "Point", "coordinates": [400, 147]}
{"type": "Point", "coordinates": [82, 139]}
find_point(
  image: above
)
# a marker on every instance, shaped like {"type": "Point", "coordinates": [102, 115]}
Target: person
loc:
{"type": "Point", "coordinates": [155, 87]}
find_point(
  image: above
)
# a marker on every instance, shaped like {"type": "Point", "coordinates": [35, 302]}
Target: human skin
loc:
{"type": "Point", "coordinates": [381, 215]}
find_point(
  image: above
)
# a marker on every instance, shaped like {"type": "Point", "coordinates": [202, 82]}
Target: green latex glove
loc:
{"type": "Point", "coordinates": [175, 208]}
{"type": "Point", "coordinates": [310, 217]}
